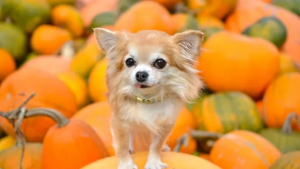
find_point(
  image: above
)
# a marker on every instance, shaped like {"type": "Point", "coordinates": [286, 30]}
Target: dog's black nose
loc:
{"type": "Point", "coordinates": [141, 76]}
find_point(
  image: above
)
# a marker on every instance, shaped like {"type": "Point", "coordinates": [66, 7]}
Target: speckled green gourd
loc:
{"type": "Point", "coordinates": [227, 111]}
{"type": "Point", "coordinates": [287, 161]}
{"type": "Point", "coordinates": [284, 139]}
{"type": "Point", "coordinates": [291, 5]}
{"type": "Point", "coordinates": [269, 28]}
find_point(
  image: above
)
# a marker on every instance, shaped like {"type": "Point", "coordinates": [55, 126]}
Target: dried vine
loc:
{"type": "Point", "coordinates": [15, 118]}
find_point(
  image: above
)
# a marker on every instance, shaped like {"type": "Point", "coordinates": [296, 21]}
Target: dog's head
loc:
{"type": "Point", "coordinates": [151, 62]}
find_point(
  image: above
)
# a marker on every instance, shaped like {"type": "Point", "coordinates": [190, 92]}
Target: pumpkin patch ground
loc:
{"type": "Point", "coordinates": [54, 106]}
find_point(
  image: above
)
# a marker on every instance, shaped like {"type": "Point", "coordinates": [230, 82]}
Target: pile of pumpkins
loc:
{"type": "Point", "coordinates": [248, 115]}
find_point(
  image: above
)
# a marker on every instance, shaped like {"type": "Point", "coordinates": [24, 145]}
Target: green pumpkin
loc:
{"type": "Point", "coordinates": [291, 5]}
{"type": "Point", "coordinates": [27, 14]}
{"type": "Point", "coordinates": [287, 161]}
{"type": "Point", "coordinates": [13, 40]}
{"type": "Point", "coordinates": [269, 28]}
{"type": "Point", "coordinates": [104, 19]}
{"type": "Point", "coordinates": [284, 139]}
{"type": "Point", "coordinates": [228, 111]}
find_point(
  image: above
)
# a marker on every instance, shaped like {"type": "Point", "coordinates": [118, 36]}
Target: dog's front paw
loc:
{"type": "Point", "coordinates": [127, 165]}
{"type": "Point", "coordinates": [166, 148]}
{"type": "Point", "coordinates": [155, 164]}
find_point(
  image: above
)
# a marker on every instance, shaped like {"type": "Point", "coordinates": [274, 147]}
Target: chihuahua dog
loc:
{"type": "Point", "coordinates": [150, 76]}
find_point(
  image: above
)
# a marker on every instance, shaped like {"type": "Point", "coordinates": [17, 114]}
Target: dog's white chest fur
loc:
{"type": "Point", "coordinates": [151, 116]}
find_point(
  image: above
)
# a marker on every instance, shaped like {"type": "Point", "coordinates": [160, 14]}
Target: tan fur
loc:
{"type": "Point", "coordinates": [178, 79]}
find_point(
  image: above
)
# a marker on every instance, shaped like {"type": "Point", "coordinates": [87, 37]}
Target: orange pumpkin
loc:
{"type": "Point", "coordinates": [72, 145]}
{"type": "Point", "coordinates": [97, 81]}
{"type": "Point", "coordinates": [7, 64]}
{"type": "Point", "coordinates": [10, 158]}
{"type": "Point", "coordinates": [282, 97]}
{"type": "Point", "coordinates": [48, 63]}
{"type": "Point", "coordinates": [136, 19]}
{"type": "Point", "coordinates": [97, 115]}
{"type": "Point", "coordinates": [50, 92]}
{"type": "Point", "coordinates": [48, 39]}
{"type": "Point", "coordinates": [68, 17]}
{"type": "Point", "coordinates": [244, 16]}
{"type": "Point", "coordinates": [172, 159]}
{"type": "Point", "coordinates": [243, 149]}
{"type": "Point", "coordinates": [217, 8]}
{"type": "Point", "coordinates": [77, 85]}
{"type": "Point", "coordinates": [205, 156]}
{"type": "Point", "coordinates": [94, 7]}
{"type": "Point", "coordinates": [230, 63]}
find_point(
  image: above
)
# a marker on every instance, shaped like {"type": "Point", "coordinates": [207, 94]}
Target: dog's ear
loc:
{"type": "Point", "coordinates": [106, 39]}
{"type": "Point", "coordinates": [190, 43]}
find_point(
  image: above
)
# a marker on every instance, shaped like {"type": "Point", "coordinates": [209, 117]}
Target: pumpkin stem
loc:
{"type": "Point", "coordinates": [204, 134]}
{"type": "Point", "coordinates": [15, 117]}
{"type": "Point", "coordinates": [59, 118]}
{"type": "Point", "coordinates": [20, 136]}
{"type": "Point", "coordinates": [183, 140]}
{"type": "Point", "coordinates": [287, 126]}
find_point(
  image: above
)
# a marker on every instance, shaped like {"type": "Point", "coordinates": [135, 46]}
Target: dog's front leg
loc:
{"type": "Point", "coordinates": [154, 160]}
{"type": "Point", "coordinates": [121, 132]}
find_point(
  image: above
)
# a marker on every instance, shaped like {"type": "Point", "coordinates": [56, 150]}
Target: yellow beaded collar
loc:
{"type": "Point", "coordinates": [150, 101]}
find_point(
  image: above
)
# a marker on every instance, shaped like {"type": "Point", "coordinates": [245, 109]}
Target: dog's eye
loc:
{"type": "Point", "coordinates": [130, 62]}
{"type": "Point", "coordinates": [160, 63]}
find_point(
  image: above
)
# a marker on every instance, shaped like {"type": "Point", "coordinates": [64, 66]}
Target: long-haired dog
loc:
{"type": "Point", "coordinates": [150, 76]}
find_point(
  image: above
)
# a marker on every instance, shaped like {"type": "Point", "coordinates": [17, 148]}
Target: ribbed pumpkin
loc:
{"type": "Point", "coordinates": [50, 92]}
{"type": "Point", "coordinates": [7, 64]}
{"type": "Point", "coordinates": [71, 144]}
{"type": "Point", "coordinates": [281, 98]}
{"type": "Point", "coordinates": [287, 161]}
{"type": "Point", "coordinates": [10, 158]}
{"type": "Point", "coordinates": [68, 17]}
{"type": "Point", "coordinates": [243, 149]}
{"type": "Point", "coordinates": [229, 63]}
{"type": "Point", "coordinates": [173, 159]}
{"type": "Point", "coordinates": [136, 19]}
{"type": "Point", "coordinates": [225, 112]}
{"type": "Point", "coordinates": [98, 115]}
{"type": "Point", "coordinates": [243, 16]}
{"type": "Point", "coordinates": [285, 139]}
